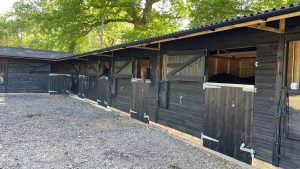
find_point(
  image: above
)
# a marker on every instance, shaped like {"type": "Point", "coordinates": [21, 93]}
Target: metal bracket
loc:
{"type": "Point", "coordinates": [104, 77]}
{"type": "Point", "coordinates": [146, 116]}
{"type": "Point", "coordinates": [208, 138]}
{"type": "Point", "coordinates": [251, 151]}
{"type": "Point", "coordinates": [52, 91]}
{"type": "Point", "coordinates": [131, 111]}
{"type": "Point", "coordinates": [245, 88]}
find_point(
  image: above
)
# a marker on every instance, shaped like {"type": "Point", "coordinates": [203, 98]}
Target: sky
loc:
{"type": "Point", "coordinates": [5, 5]}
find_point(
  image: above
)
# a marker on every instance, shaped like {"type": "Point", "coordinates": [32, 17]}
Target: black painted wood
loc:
{"type": "Point", "coordinates": [139, 102]}
{"type": "Point", "coordinates": [81, 89]}
{"type": "Point", "coordinates": [103, 97]}
{"type": "Point", "coordinates": [60, 84]}
{"type": "Point", "coordinates": [122, 99]}
{"type": "Point", "coordinates": [92, 88]}
{"type": "Point", "coordinates": [264, 116]}
{"type": "Point", "coordinates": [28, 76]}
{"type": "Point", "coordinates": [228, 119]}
{"type": "Point", "coordinates": [185, 106]}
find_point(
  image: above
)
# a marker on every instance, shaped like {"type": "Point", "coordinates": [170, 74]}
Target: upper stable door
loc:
{"type": "Point", "coordinates": [290, 124]}
{"type": "Point", "coordinates": [229, 96]}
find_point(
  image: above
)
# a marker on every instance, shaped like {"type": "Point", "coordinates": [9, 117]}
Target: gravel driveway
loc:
{"type": "Point", "coordinates": [43, 131]}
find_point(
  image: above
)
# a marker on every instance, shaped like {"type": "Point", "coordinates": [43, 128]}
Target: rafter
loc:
{"type": "Point", "coordinates": [262, 26]}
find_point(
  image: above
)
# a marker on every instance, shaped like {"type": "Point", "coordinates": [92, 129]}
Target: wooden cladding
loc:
{"type": "Point", "coordinates": [92, 68]}
{"type": "Point", "coordinates": [293, 74]}
{"type": "Point", "coordinates": [2, 70]}
{"type": "Point", "coordinates": [184, 65]}
{"type": "Point", "coordinates": [123, 67]}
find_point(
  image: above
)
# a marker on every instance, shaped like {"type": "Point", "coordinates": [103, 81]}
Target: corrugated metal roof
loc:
{"type": "Point", "coordinates": [227, 22]}
{"type": "Point", "coordinates": [31, 53]}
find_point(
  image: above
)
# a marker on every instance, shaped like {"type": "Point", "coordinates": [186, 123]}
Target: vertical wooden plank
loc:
{"type": "Point", "coordinates": [159, 77]}
{"type": "Point", "coordinates": [278, 86]}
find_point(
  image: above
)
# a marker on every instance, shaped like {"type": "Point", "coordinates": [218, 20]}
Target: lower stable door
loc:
{"type": "Point", "coordinates": [103, 91]}
{"type": "Point", "coordinates": [139, 102]}
{"type": "Point", "coordinates": [228, 120]}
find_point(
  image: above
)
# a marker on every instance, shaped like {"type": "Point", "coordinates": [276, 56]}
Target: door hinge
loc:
{"type": "Point", "coordinates": [131, 111]}
{"type": "Point", "coordinates": [146, 116]}
{"type": "Point", "coordinates": [208, 138]}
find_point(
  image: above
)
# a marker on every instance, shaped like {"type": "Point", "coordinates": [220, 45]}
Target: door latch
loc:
{"type": "Point", "coordinates": [251, 151]}
{"type": "Point", "coordinates": [208, 138]}
{"type": "Point", "coordinates": [180, 99]}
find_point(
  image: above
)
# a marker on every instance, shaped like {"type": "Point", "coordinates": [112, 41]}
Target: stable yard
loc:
{"type": "Point", "coordinates": [54, 131]}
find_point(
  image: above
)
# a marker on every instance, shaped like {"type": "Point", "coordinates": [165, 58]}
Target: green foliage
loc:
{"type": "Point", "coordinates": [210, 11]}
{"type": "Point", "coordinates": [75, 25]}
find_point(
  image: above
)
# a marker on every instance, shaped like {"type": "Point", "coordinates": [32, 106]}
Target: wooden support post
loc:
{"type": "Point", "coordinates": [158, 78]}
{"type": "Point", "coordinates": [279, 84]}
{"type": "Point", "coordinates": [282, 25]}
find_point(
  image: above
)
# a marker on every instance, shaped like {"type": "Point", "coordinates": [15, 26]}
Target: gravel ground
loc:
{"type": "Point", "coordinates": [43, 131]}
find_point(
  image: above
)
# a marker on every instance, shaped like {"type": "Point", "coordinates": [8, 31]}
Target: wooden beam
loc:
{"type": "Point", "coordinates": [146, 48]}
{"type": "Point", "coordinates": [235, 55]}
{"type": "Point", "coordinates": [282, 25]}
{"type": "Point", "coordinates": [266, 28]}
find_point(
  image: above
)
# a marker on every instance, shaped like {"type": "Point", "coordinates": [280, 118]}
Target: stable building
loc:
{"type": "Point", "coordinates": [227, 83]}
{"type": "Point", "coordinates": [233, 84]}
{"type": "Point", "coordinates": [26, 70]}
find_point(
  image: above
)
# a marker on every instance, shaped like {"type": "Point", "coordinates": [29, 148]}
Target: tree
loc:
{"type": "Point", "coordinates": [65, 23]}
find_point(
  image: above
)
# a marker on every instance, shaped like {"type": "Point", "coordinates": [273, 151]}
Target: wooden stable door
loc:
{"type": "Point", "coordinates": [121, 84]}
{"type": "Point", "coordinates": [228, 120]}
{"type": "Point", "coordinates": [103, 91]}
{"type": "Point", "coordinates": [139, 102]}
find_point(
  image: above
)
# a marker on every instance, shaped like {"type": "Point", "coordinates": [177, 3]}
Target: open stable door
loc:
{"type": "Point", "coordinates": [290, 117]}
